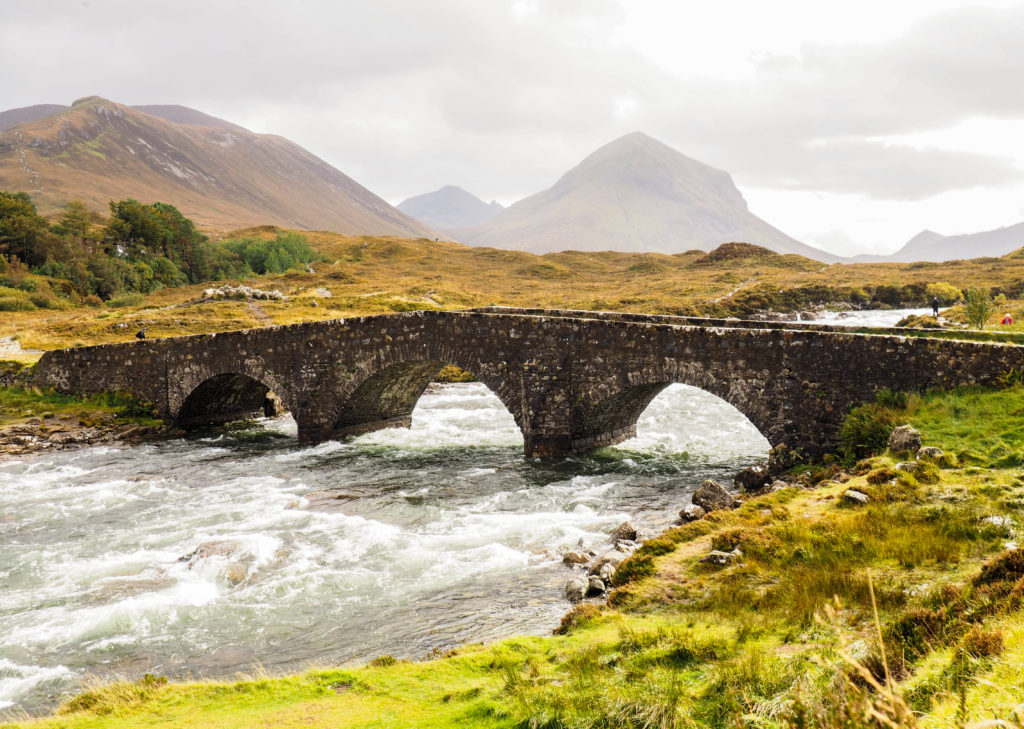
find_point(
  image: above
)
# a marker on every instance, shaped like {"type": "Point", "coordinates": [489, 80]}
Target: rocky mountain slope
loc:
{"type": "Point", "coordinates": [217, 173]}
{"type": "Point", "coordinates": [450, 207]}
{"type": "Point", "coordinates": [634, 194]}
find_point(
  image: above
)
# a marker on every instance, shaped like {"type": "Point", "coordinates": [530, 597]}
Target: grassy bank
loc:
{"type": "Point", "coordinates": [26, 410]}
{"type": "Point", "coordinates": [917, 585]}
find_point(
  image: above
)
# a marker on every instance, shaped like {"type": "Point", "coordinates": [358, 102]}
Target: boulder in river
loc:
{"type": "Point", "coordinates": [595, 586]}
{"type": "Point", "coordinates": [753, 478]}
{"type": "Point", "coordinates": [611, 559]}
{"type": "Point", "coordinates": [624, 532]}
{"type": "Point", "coordinates": [605, 571]}
{"type": "Point", "coordinates": [209, 549]}
{"type": "Point", "coordinates": [576, 588]}
{"type": "Point", "coordinates": [905, 438]}
{"type": "Point", "coordinates": [575, 558]}
{"type": "Point", "coordinates": [712, 495]}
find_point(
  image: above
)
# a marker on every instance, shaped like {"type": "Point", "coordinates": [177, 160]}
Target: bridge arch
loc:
{"type": "Point", "coordinates": [385, 396]}
{"type": "Point", "coordinates": [215, 396]}
{"type": "Point", "coordinates": [612, 417]}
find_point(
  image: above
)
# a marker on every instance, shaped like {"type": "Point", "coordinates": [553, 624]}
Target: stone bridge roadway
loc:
{"type": "Point", "coordinates": [572, 380]}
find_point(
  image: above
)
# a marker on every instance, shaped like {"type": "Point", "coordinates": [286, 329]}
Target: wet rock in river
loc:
{"type": "Point", "coordinates": [712, 495]}
{"type": "Point", "coordinates": [576, 558]}
{"type": "Point", "coordinates": [605, 572]}
{"type": "Point", "coordinates": [210, 549]}
{"type": "Point", "coordinates": [608, 560]}
{"type": "Point", "coordinates": [752, 479]}
{"type": "Point", "coordinates": [595, 586]}
{"type": "Point", "coordinates": [624, 532]}
{"type": "Point", "coordinates": [576, 588]}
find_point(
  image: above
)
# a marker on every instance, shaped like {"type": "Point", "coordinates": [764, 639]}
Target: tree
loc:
{"type": "Point", "coordinates": [946, 293]}
{"type": "Point", "coordinates": [978, 306]}
{"type": "Point", "coordinates": [74, 221]}
{"type": "Point", "coordinates": [23, 233]}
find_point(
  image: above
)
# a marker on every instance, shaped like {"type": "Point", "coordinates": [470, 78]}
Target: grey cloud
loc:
{"type": "Point", "coordinates": [407, 96]}
{"type": "Point", "coordinates": [894, 172]}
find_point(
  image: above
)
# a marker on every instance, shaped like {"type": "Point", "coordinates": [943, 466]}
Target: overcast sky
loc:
{"type": "Point", "coordinates": [851, 126]}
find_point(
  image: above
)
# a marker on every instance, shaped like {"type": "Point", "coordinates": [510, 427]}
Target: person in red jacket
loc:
{"type": "Point", "coordinates": [1007, 320]}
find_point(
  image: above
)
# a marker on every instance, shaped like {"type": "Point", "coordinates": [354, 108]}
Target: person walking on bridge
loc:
{"type": "Point", "coordinates": [935, 306]}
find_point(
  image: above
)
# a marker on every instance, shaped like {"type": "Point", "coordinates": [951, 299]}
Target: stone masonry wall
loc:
{"type": "Point", "coordinates": [572, 380]}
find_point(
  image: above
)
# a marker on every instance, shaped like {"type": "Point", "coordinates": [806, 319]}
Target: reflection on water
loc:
{"type": "Point", "coordinates": [204, 556]}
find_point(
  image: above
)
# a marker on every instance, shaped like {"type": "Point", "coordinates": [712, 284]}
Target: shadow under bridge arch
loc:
{"type": "Point", "coordinates": [386, 398]}
{"type": "Point", "coordinates": [226, 397]}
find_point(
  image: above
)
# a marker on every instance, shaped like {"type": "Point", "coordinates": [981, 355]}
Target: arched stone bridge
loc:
{"type": "Point", "coordinates": [572, 380]}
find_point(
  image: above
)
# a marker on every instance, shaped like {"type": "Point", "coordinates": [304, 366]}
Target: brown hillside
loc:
{"type": "Point", "coordinates": [220, 177]}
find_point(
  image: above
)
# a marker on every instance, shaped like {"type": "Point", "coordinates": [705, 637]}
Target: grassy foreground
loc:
{"type": "Point", "coordinates": [904, 612]}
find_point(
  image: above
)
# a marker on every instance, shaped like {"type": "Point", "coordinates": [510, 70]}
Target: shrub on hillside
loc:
{"type": "Point", "coordinates": [123, 300]}
{"type": "Point", "coordinates": [946, 293]}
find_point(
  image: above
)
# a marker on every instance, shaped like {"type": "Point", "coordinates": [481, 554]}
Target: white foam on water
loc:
{"type": "Point", "coordinates": [17, 680]}
{"type": "Point", "coordinates": [866, 318]}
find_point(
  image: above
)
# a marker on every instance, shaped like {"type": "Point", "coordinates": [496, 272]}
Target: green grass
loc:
{"type": "Point", "coordinates": [20, 403]}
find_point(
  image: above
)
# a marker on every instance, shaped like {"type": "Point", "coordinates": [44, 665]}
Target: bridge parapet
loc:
{"type": "Point", "coordinates": [572, 380]}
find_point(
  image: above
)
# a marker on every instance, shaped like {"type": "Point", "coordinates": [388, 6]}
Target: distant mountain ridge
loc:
{"type": "Point", "coordinates": [450, 207]}
{"type": "Point", "coordinates": [217, 173]}
{"type": "Point", "coordinates": [14, 117]}
{"type": "Point", "coordinates": [930, 246]}
{"type": "Point", "coordinates": [634, 194]}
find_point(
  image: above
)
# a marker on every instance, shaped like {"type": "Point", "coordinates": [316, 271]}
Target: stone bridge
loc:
{"type": "Point", "coordinates": [572, 380]}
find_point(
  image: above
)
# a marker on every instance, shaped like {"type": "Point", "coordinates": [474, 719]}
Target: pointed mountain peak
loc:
{"type": "Point", "coordinates": [634, 194]}
{"type": "Point", "coordinates": [449, 207]}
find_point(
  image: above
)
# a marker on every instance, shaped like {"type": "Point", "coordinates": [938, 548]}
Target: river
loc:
{"type": "Point", "coordinates": [397, 542]}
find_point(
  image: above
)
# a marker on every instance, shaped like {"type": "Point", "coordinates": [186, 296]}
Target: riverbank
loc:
{"type": "Point", "coordinates": [33, 420]}
{"type": "Point", "coordinates": [930, 549]}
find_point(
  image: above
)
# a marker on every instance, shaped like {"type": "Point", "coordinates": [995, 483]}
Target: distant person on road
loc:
{"type": "Point", "coordinates": [1007, 320]}
{"type": "Point", "coordinates": [935, 306]}
{"type": "Point", "coordinates": [141, 334]}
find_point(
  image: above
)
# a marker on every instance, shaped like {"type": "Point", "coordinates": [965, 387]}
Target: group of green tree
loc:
{"type": "Point", "coordinates": [140, 248]}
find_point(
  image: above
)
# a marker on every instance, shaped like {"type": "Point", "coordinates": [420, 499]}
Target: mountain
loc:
{"type": "Point", "coordinates": [14, 117]}
{"type": "Point", "coordinates": [634, 194]}
{"type": "Point", "coordinates": [450, 207]}
{"type": "Point", "coordinates": [929, 246]}
{"type": "Point", "coordinates": [217, 173]}
{"type": "Point", "coordinates": [185, 115]}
